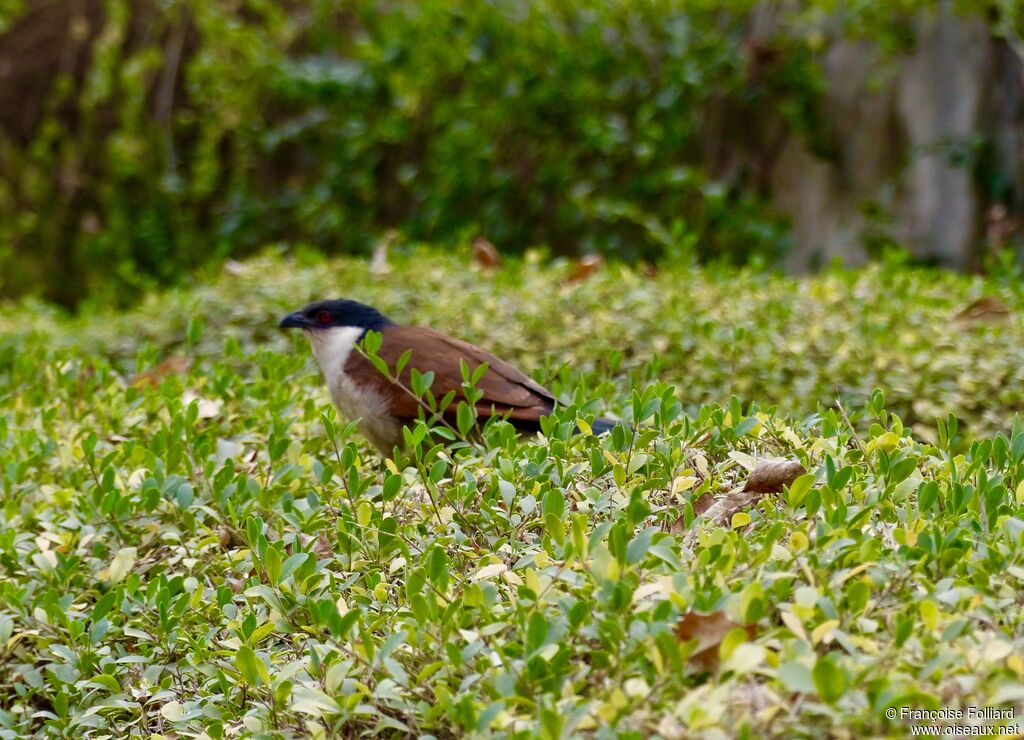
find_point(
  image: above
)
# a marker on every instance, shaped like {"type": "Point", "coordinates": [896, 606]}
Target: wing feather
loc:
{"type": "Point", "coordinates": [506, 390]}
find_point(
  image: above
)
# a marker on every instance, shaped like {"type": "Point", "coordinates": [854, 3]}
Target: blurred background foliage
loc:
{"type": "Point", "coordinates": [141, 140]}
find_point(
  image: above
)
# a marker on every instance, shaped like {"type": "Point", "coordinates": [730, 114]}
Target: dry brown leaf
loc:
{"type": "Point", "coordinates": [986, 310]}
{"type": "Point", "coordinates": [699, 507]}
{"type": "Point", "coordinates": [174, 365]}
{"type": "Point", "coordinates": [708, 630]}
{"type": "Point", "coordinates": [585, 267]}
{"type": "Point", "coordinates": [702, 504]}
{"type": "Point", "coordinates": [237, 585]}
{"type": "Point", "coordinates": [229, 539]}
{"type": "Point", "coordinates": [319, 545]}
{"type": "Point", "coordinates": [772, 476]}
{"type": "Point", "coordinates": [722, 510]}
{"type": "Point", "coordinates": [486, 254]}
{"type": "Point", "coordinates": [322, 547]}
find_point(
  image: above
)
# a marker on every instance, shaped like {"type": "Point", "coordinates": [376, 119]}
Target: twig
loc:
{"type": "Point", "coordinates": [853, 432]}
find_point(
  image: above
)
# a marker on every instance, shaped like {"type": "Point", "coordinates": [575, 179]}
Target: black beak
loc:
{"type": "Point", "coordinates": [294, 321]}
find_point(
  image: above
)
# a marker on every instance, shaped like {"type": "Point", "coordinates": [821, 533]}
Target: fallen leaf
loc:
{"type": "Point", "coordinates": [122, 564]}
{"type": "Point", "coordinates": [174, 365]}
{"type": "Point", "coordinates": [322, 547]}
{"type": "Point", "coordinates": [319, 545]}
{"type": "Point", "coordinates": [488, 571]}
{"type": "Point", "coordinates": [721, 511]}
{"type": "Point", "coordinates": [173, 711]}
{"type": "Point", "coordinates": [585, 267]}
{"type": "Point", "coordinates": [207, 408]}
{"type": "Point", "coordinates": [771, 476]}
{"type": "Point", "coordinates": [229, 539]}
{"type": "Point", "coordinates": [308, 700]}
{"type": "Point", "coordinates": [709, 630]}
{"type": "Point", "coordinates": [747, 461]}
{"type": "Point", "coordinates": [700, 506]}
{"type": "Point", "coordinates": [683, 483]}
{"type": "Point", "coordinates": [486, 254]}
{"type": "Point", "coordinates": [985, 310]}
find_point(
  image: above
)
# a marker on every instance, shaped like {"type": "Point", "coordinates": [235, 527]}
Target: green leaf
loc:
{"type": "Point", "coordinates": [253, 671]}
{"type": "Point", "coordinates": [310, 700]}
{"type": "Point", "coordinates": [437, 568]}
{"type": "Point", "coordinates": [797, 677]}
{"type": "Point", "coordinates": [185, 495]}
{"type": "Point", "coordinates": [103, 606]}
{"type": "Point", "coordinates": [380, 365]}
{"type": "Point", "coordinates": [196, 325]}
{"type": "Point", "coordinates": [403, 360]}
{"type": "Point", "coordinates": [292, 564]}
{"type": "Point", "coordinates": [830, 680]}
{"type": "Point", "coordinates": [107, 681]}
{"type": "Point", "coordinates": [464, 419]}
{"type": "Point", "coordinates": [478, 373]}
{"type": "Point", "coordinates": [799, 489]}
{"type": "Point", "coordinates": [639, 545]}
{"type": "Point", "coordinates": [554, 503]}
{"type": "Point", "coordinates": [272, 564]}
{"type": "Point", "coordinates": [371, 342]}
{"type": "Point", "coordinates": [536, 631]}
{"type": "Point", "coordinates": [555, 528]}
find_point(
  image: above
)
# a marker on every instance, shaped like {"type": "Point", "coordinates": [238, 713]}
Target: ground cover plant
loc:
{"type": "Point", "coordinates": [193, 542]}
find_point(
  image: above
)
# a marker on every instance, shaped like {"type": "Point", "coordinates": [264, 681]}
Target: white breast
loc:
{"type": "Point", "coordinates": [331, 347]}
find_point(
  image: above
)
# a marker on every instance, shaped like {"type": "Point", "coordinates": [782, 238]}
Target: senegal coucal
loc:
{"type": "Point", "coordinates": [361, 391]}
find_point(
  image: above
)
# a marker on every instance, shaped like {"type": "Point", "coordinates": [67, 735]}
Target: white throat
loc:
{"type": "Point", "coordinates": [331, 347]}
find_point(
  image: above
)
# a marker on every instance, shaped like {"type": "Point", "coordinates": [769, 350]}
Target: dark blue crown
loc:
{"type": "Point", "coordinates": [347, 313]}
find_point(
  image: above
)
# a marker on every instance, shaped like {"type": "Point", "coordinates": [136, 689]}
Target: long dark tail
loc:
{"type": "Point", "coordinates": [600, 425]}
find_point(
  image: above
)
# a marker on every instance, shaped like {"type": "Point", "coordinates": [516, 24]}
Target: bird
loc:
{"type": "Point", "coordinates": [363, 393]}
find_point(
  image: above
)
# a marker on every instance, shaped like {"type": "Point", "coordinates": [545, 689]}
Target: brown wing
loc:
{"type": "Point", "coordinates": [506, 390]}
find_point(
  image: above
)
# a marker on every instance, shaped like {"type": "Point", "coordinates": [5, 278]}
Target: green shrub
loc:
{"type": "Point", "coordinates": [201, 130]}
{"type": "Point", "coordinates": [211, 550]}
{"type": "Point", "coordinates": [771, 339]}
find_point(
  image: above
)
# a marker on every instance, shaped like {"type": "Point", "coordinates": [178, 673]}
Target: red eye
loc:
{"type": "Point", "coordinates": [324, 317]}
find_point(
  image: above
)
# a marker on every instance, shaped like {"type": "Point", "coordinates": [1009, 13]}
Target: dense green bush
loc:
{"type": "Point", "coordinates": [771, 339]}
{"type": "Point", "coordinates": [209, 549]}
{"type": "Point", "coordinates": [197, 130]}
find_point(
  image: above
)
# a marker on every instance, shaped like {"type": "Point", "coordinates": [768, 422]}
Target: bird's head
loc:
{"type": "Point", "coordinates": [335, 314]}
